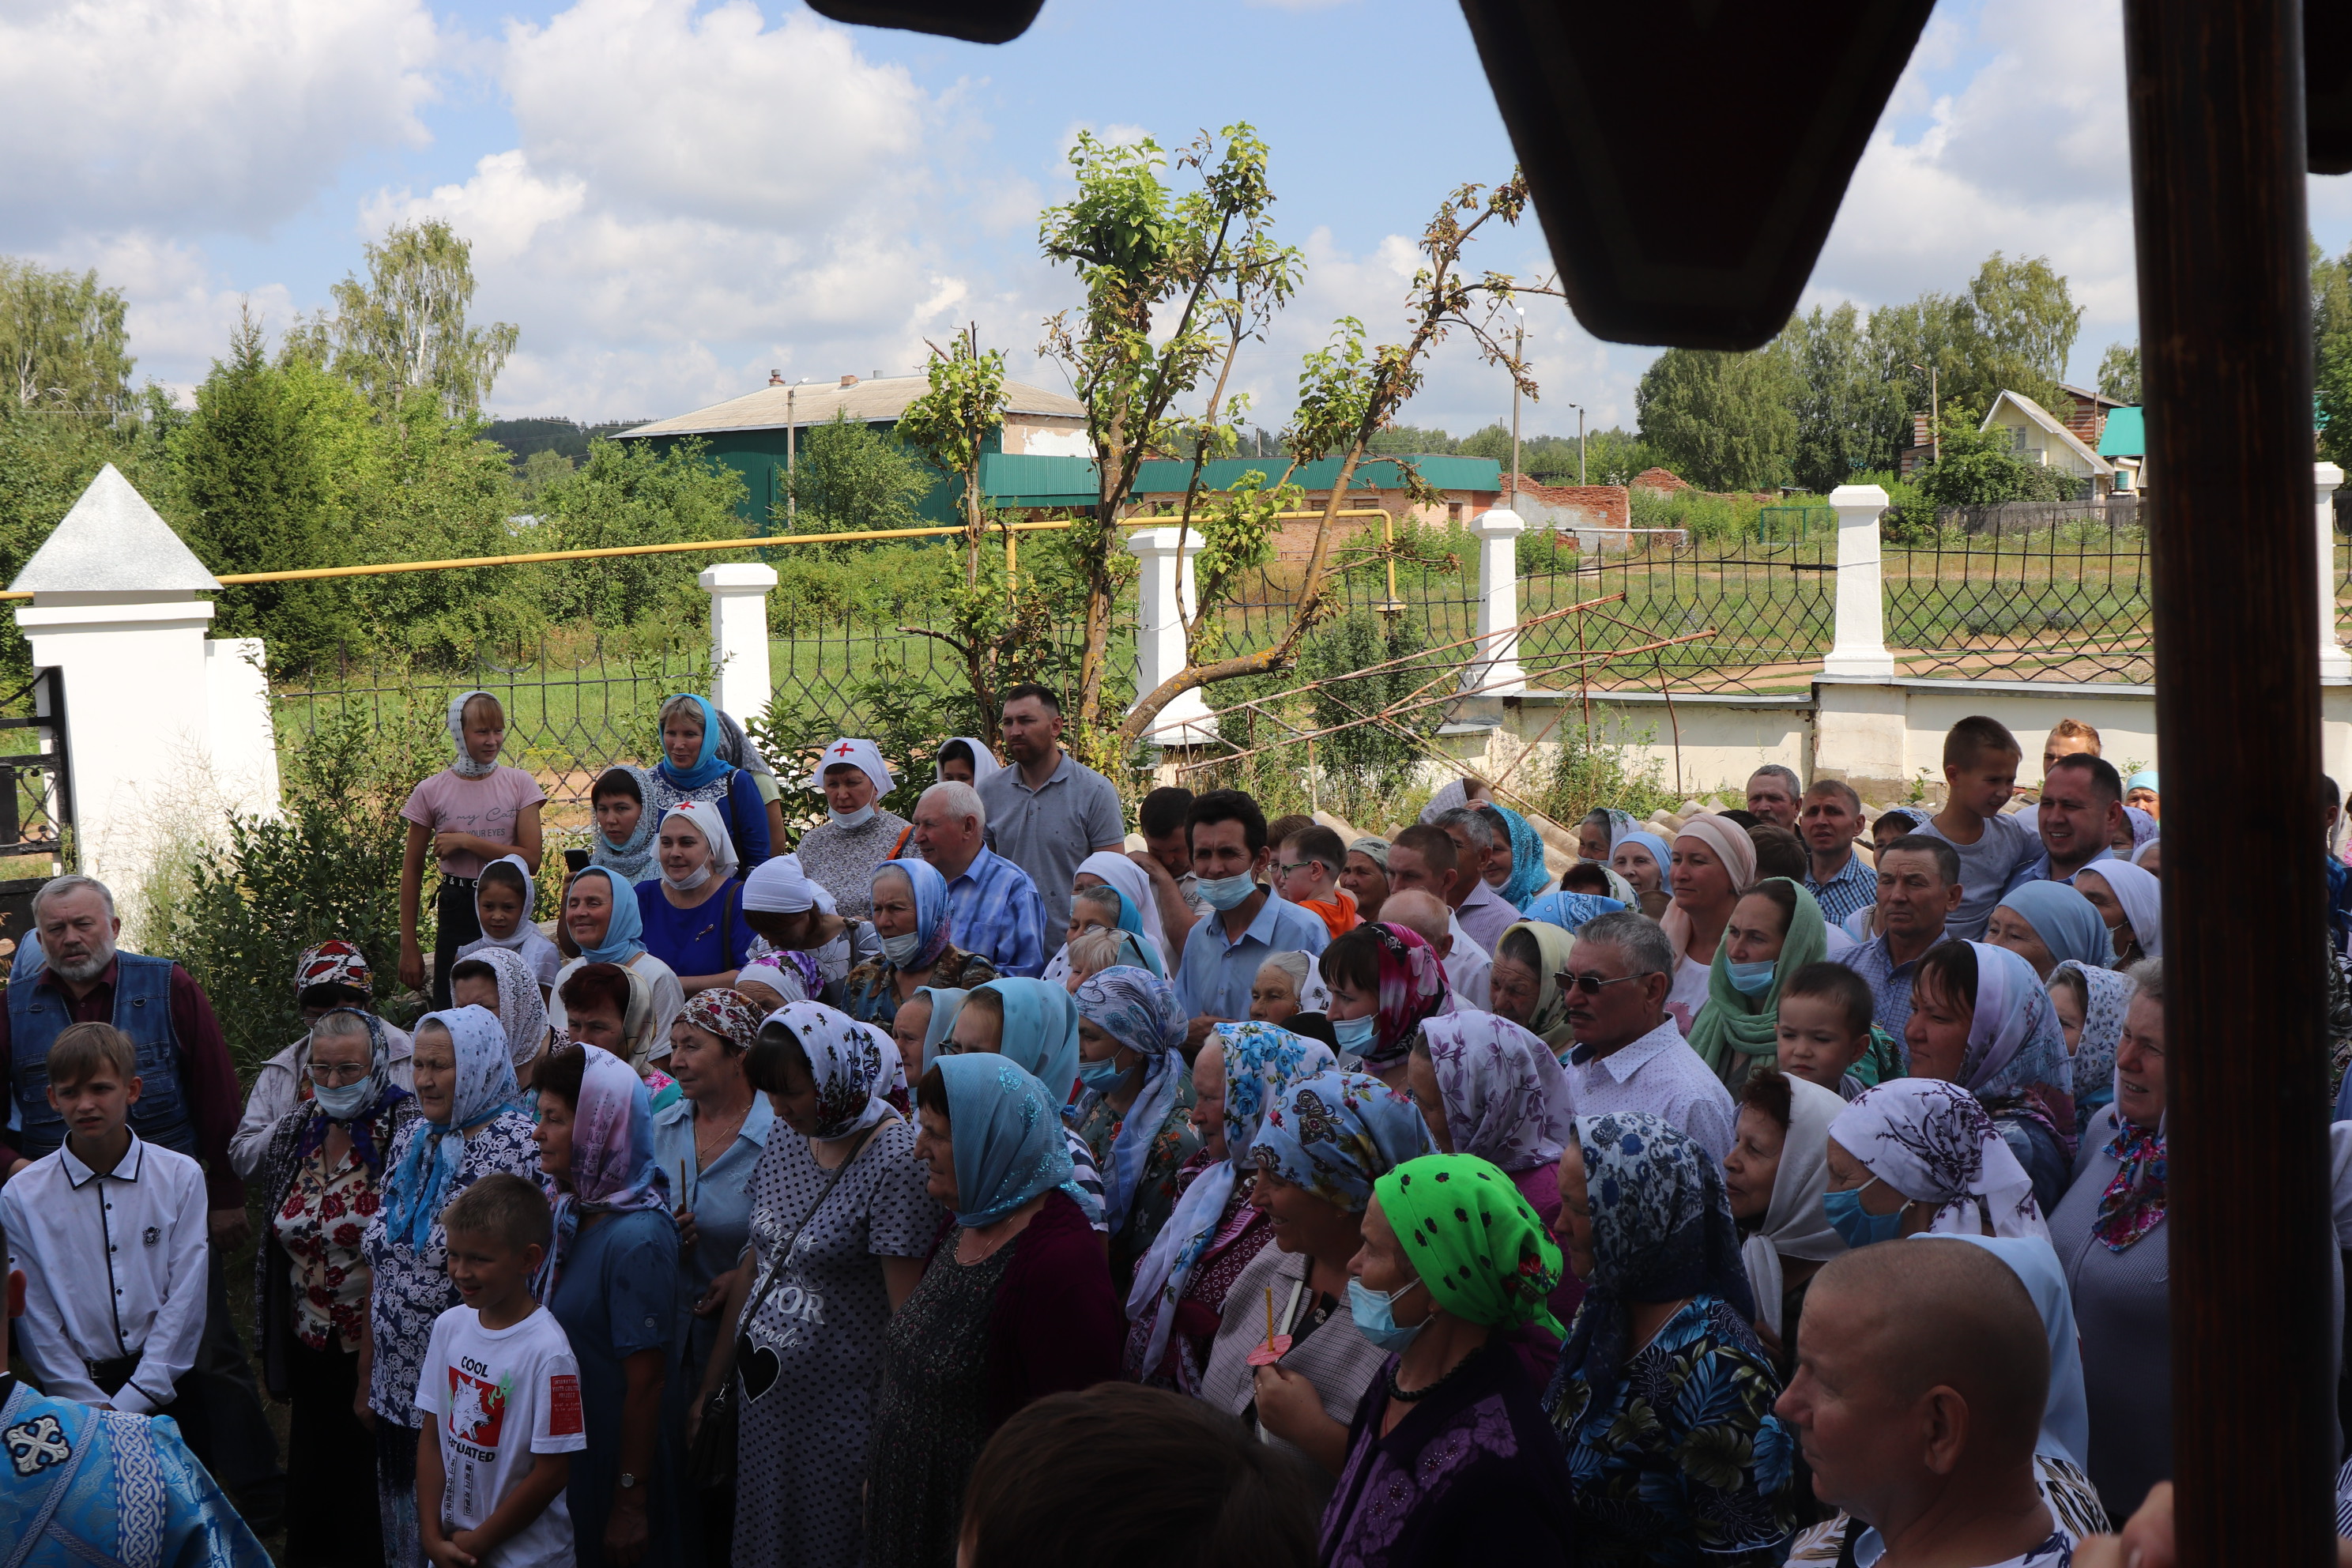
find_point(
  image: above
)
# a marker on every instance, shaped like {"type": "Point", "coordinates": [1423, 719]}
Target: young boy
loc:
{"type": "Point", "coordinates": [1824, 1027]}
{"type": "Point", "coordinates": [1980, 762]}
{"type": "Point", "coordinates": [1306, 873]}
{"type": "Point", "coordinates": [110, 1233]}
{"type": "Point", "coordinates": [503, 1390]}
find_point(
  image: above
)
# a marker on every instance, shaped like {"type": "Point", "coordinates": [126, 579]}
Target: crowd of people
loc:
{"type": "Point", "coordinates": [972, 1189]}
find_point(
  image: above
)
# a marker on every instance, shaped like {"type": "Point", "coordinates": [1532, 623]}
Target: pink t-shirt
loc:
{"type": "Point", "coordinates": [484, 807]}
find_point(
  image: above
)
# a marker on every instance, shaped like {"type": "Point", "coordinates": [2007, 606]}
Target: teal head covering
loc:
{"type": "Point", "coordinates": [1007, 1131]}
{"type": "Point", "coordinates": [2144, 779]}
{"type": "Point", "coordinates": [2067, 923]}
{"type": "Point", "coordinates": [946, 1002]}
{"type": "Point", "coordinates": [930, 890]}
{"type": "Point", "coordinates": [1528, 874]}
{"type": "Point", "coordinates": [624, 931]}
{"type": "Point", "coordinates": [708, 765]}
{"type": "Point", "coordinates": [1041, 1032]}
{"type": "Point", "coordinates": [1733, 1021]}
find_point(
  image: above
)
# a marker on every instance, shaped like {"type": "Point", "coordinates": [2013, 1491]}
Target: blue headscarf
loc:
{"type": "Point", "coordinates": [1131, 921]}
{"type": "Point", "coordinates": [1040, 1031]}
{"type": "Point", "coordinates": [2067, 923]}
{"type": "Point", "coordinates": [1659, 851]}
{"type": "Point", "coordinates": [1010, 1145]}
{"type": "Point", "coordinates": [624, 932]}
{"type": "Point", "coordinates": [1140, 1010]}
{"type": "Point", "coordinates": [1571, 910]}
{"type": "Point", "coordinates": [1338, 1133]}
{"type": "Point", "coordinates": [613, 1167]}
{"type": "Point", "coordinates": [708, 765]}
{"type": "Point", "coordinates": [417, 1190]}
{"type": "Point", "coordinates": [930, 890]}
{"type": "Point", "coordinates": [2066, 1412]}
{"type": "Point", "coordinates": [1527, 873]}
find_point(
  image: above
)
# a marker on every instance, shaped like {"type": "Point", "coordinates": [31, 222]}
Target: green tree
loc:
{"type": "Point", "coordinates": [1850, 412]}
{"type": "Point", "coordinates": [2010, 331]}
{"type": "Point", "coordinates": [404, 332]}
{"type": "Point", "coordinates": [2119, 374]}
{"type": "Point", "coordinates": [1489, 441]}
{"type": "Point", "coordinates": [848, 478]}
{"type": "Point", "coordinates": [62, 341]}
{"type": "Point", "coordinates": [1367, 765]}
{"type": "Point", "coordinates": [625, 494]}
{"type": "Point", "coordinates": [2331, 351]}
{"type": "Point", "coordinates": [1723, 421]}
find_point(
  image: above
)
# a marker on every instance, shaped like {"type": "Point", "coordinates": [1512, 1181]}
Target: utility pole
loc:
{"type": "Point", "coordinates": [1935, 413]}
{"type": "Point", "coordinates": [792, 500]}
{"type": "Point", "coordinates": [1519, 342]}
{"type": "Point", "coordinates": [1580, 444]}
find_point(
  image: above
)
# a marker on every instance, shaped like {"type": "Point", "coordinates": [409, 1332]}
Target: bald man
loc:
{"type": "Point", "coordinates": [1921, 1374]}
{"type": "Point", "coordinates": [1469, 969]}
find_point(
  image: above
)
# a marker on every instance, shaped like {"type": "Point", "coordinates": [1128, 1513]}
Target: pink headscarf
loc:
{"type": "Point", "coordinates": [1731, 844]}
{"type": "Point", "coordinates": [613, 1168]}
{"type": "Point", "coordinates": [1413, 987]}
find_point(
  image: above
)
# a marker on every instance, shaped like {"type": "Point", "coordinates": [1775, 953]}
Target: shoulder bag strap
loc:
{"type": "Point", "coordinates": [776, 1264]}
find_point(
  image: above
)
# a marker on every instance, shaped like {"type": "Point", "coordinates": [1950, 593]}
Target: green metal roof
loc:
{"type": "Point", "coordinates": [1377, 474]}
{"type": "Point", "coordinates": [2124, 436]}
{"type": "Point", "coordinates": [1017, 478]}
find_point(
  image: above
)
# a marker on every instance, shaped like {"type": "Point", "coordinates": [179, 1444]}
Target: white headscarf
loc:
{"type": "Point", "coordinates": [465, 767]}
{"type": "Point", "coordinates": [524, 930]}
{"type": "Point", "coordinates": [861, 755]}
{"type": "Point", "coordinates": [522, 1011]}
{"type": "Point", "coordinates": [2142, 897]}
{"type": "Point", "coordinates": [1931, 1141]}
{"type": "Point", "coordinates": [1131, 880]}
{"type": "Point", "coordinates": [984, 765]}
{"type": "Point", "coordinates": [703, 817]}
{"type": "Point", "coordinates": [778, 886]}
{"type": "Point", "coordinates": [1795, 1225]}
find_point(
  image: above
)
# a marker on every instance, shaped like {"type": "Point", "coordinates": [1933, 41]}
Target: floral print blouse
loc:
{"type": "Point", "coordinates": [1156, 1186]}
{"type": "Point", "coordinates": [320, 1226]}
{"type": "Point", "coordinates": [873, 986]}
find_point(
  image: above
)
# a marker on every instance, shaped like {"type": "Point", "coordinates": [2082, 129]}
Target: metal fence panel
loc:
{"type": "Point", "coordinates": [2055, 592]}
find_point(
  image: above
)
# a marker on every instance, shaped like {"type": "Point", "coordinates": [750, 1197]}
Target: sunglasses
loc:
{"type": "Point", "coordinates": [1589, 984]}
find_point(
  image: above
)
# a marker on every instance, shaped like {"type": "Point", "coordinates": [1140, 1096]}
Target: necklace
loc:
{"type": "Point", "coordinates": [709, 1132]}
{"type": "Point", "coordinates": [1390, 1379]}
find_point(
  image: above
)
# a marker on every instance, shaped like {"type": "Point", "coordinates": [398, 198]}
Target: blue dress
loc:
{"type": "Point", "coordinates": [709, 939]}
{"type": "Point", "coordinates": [617, 1295]}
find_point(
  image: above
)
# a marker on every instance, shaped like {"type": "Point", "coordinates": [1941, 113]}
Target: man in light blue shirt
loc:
{"type": "Point", "coordinates": [994, 909]}
{"type": "Point", "coordinates": [1245, 925]}
{"type": "Point", "coordinates": [2080, 817]}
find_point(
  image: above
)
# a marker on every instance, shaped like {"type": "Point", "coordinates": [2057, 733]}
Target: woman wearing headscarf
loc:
{"type": "Point", "coordinates": [603, 924]}
{"type": "Point", "coordinates": [1602, 830]}
{"type": "Point", "coordinates": [1016, 1303]}
{"type": "Point", "coordinates": [1981, 1019]}
{"type": "Point", "coordinates": [693, 915]}
{"type": "Point", "coordinates": [1775, 1176]}
{"type": "Point", "coordinates": [1181, 1284]}
{"type": "Point", "coordinates": [466, 1127]}
{"type": "Point", "coordinates": [1918, 1155]}
{"type": "Point", "coordinates": [1774, 931]}
{"type": "Point", "coordinates": [1522, 876]}
{"type": "Point", "coordinates": [2049, 923]}
{"type": "Point", "coordinates": [1525, 983]}
{"type": "Point", "coordinates": [328, 975]}
{"type": "Point", "coordinates": [1664, 1395]}
{"type": "Point", "coordinates": [1366, 876]}
{"type": "Point", "coordinates": [1384, 980]}
{"type": "Point", "coordinates": [840, 854]}
{"type": "Point", "coordinates": [1135, 1112]}
{"type": "Point", "coordinates": [322, 1176]}
{"type": "Point", "coordinates": [737, 749]}
{"type": "Point", "coordinates": [2131, 900]}
{"type": "Point", "coordinates": [504, 896]}
{"type": "Point", "coordinates": [1713, 859]}
{"type": "Point", "coordinates": [910, 899]}
{"type": "Point", "coordinates": [611, 1279]}
{"type": "Point", "coordinates": [1036, 1026]}
{"type": "Point", "coordinates": [625, 827]}
{"type": "Point", "coordinates": [964, 759]}
{"type": "Point", "coordinates": [2138, 829]}
{"type": "Point", "coordinates": [496, 979]}
{"type": "Point", "coordinates": [472, 812]}
{"type": "Point", "coordinates": [1139, 910]}
{"type": "Point", "coordinates": [1449, 1456]}
{"type": "Point", "coordinates": [691, 768]}
{"type": "Point", "coordinates": [1647, 865]}
{"type": "Point", "coordinates": [839, 1215]}
{"type": "Point", "coordinates": [2090, 999]}
{"type": "Point", "coordinates": [1288, 1355]}
{"type": "Point", "coordinates": [799, 924]}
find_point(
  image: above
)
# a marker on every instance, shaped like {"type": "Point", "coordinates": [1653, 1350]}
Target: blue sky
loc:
{"type": "Point", "coordinates": [670, 198]}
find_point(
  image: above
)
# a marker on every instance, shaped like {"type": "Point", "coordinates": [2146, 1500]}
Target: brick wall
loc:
{"type": "Point", "coordinates": [1565, 507]}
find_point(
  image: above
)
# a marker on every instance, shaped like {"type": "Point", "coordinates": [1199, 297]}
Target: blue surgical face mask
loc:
{"type": "Point", "coordinates": [1375, 1315]}
{"type": "Point", "coordinates": [1355, 1034]}
{"type": "Point", "coordinates": [1227, 892]}
{"type": "Point", "coordinates": [1751, 979]}
{"type": "Point", "coordinates": [1857, 1225]}
{"type": "Point", "coordinates": [899, 948]}
{"type": "Point", "coordinates": [1102, 1077]}
{"type": "Point", "coordinates": [342, 1101]}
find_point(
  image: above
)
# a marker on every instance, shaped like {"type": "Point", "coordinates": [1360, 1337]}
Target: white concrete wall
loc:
{"type": "Point", "coordinates": [244, 739]}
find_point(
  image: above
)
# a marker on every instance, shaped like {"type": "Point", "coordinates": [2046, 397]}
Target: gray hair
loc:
{"type": "Point", "coordinates": [1105, 898]}
{"type": "Point", "coordinates": [1786, 775]}
{"type": "Point", "coordinates": [342, 1021]}
{"type": "Point", "coordinates": [1477, 823]}
{"type": "Point", "coordinates": [1095, 950]}
{"type": "Point", "coordinates": [1293, 963]}
{"type": "Point", "coordinates": [2147, 980]}
{"type": "Point", "coordinates": [682, 707]}
{"type": "Point", "coordinates": [71, 882]}
{"type": "Point", "coordinates": [960, 798]}
{"type": "Point", "coordinates": [1635, 935]}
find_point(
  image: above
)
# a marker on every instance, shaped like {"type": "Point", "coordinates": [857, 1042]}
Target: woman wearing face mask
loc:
{"type": "Point", "coordinates": [694, 741]}
{"type": "Point", "coordinates": [1384, 980]}
{"type": "Point", "coordinates": [1919, 1156]}
{"type": "Point", "coordinates": [1775, 1175]}
{"type": "Point", "coordinates": [1135, 1113]}
{"type": "Point", "coordinates": [1775, 930]}
{"type": "Point", "coordinates": [693, 915]}
{"type": "Point", "coordinates": [841, 853]}
{"type": "Point", "coordinates": [603, 924]}
{"type": "Point", "coordinates": [910, 915]}
{"type": "Point", "coordinates": [1455, 1297]}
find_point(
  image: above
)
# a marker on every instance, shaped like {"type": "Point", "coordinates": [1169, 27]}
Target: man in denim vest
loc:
{"type": "Point", "coordinates": [188, 1102]}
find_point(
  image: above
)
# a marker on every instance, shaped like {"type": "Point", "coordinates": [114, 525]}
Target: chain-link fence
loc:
{"type": "Point", "coordinates": [2057, 592]}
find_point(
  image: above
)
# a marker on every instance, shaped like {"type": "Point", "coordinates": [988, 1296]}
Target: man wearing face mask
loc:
{"type": "Point", "coordinates": [839, 854]}
{"type": "Point", "coordinates": [1246, 925]}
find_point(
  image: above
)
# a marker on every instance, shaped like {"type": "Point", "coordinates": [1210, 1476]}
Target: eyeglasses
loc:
{"type": "Point", "coordinates": [1293, 866]}
{"type": "Point", "coordinates": [1591, 984]}
{"type": "Point", "coordinates": [329, 1076]}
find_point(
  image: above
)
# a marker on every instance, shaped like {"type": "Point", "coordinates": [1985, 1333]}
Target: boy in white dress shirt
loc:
{"type": "Point", "coordinates": [109, 1232]}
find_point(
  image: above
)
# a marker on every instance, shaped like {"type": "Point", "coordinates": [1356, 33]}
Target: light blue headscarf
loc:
{"type": "Point", "coordinates": [1131, 921]}
{"type": "Point", "coordinates": [930, 890]}
{"type": "Point", "coordinates": [1041, 1032]}
{"type": "Point", "coordinates": [1010, 1145]}
{"type": "Point", "coordinates": [625, 933]}
{"type": "Point", "coordinates": [1527, 873]}
{"type": "Point", "coordinates": [2144, 779]}
{"type": "Point", "coordinates": [417, 1190]}
{"type": "Point", "coordinates": [1337, 1133]}
{"type": "Point", "coordinates": [2067, 923]}
{"type": "Point", "coordinates": [708, 765]}
{"type": "Point", "coordinates": [1658, 851]}
{"type": "Point", "coordinates": [1138, 1009]}
{"type": "Point", "coordinates": [2066, 1413]}
{"type": "Point", "coordinates": [946, 1002]}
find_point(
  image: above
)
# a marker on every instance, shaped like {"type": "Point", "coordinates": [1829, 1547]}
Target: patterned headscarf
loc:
{"type": "Point", "coordinates": [1041, 1032]}
{"type": "Point", "coordinates": [1553, 947]}
{"type": "Point", "coordinates": [625, 927]}
{"type": "Point", "coordinates": [1140, 1010]}
{"type": "Point", "coordinates": [1474, 1239]}
{"type": "Point", "coordinates": [333, 961]}
{"type": "Point", "coordinates": [613, 1167]}
{"type": "Point", "coordinates": [2067, 923]}
{"type": "Point", "coordinates": [2016, 1048]}
{"type": "Point", "coordinates": [736, 748]}
{"type": "Point", "coordinates": [2108, 994]}
{"type": "Point", "coordinates": [382, 1094]}
{"type": "Point", "coordinates": [522, 1011]}
{"type": "Point", "coordinates": [1796, 1224]}
{"type": "Point", "coordinates": [1412, 988]}
{"type": "Point", "coordinates": [1506, 1099]}
{"type": "Point", "coordinates": [1661, 1230]}
{"type": "Point", "coordinates": [1337, 1133]}
{"type": "Point", "coordinates": [2143, 824]}
{"type": "Point", "coordinates": [727, 1013]}
{"type": "Point", "coordinates": [1009, 1144]}
{"type": "Point", "coordinates": [1734, 1024]}
{"type": "Point", "coordinates": [2134, 1202]}
{"type": "Point", "coordinates": [418, 1187]}
{"type": "Point", "coordinates": [465, 767]}
{"type": "Point", "coordinates": [632, 859]}
{"type": "Point", "coordinates": [846, 1062]}
{"type": "Point", "coordinates": [1528, 874]}
{"type": "Point", "coordinates": [930, 893]}
{"type": "Point", "coordinates": [1931, 1141]}
{"type": "Point", "coordinates": [708, 765]}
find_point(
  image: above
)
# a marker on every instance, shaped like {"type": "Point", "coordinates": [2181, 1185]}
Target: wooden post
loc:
{"type": "Point", "coordinates": [2217, 143]}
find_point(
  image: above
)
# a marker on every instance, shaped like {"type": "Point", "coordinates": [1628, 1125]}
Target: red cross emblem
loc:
{"type": "Point", "coordinates": [844, 749]}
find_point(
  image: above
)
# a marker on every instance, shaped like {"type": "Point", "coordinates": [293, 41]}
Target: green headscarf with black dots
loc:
{"type": "Point", "coordinates": [1472, 1239]}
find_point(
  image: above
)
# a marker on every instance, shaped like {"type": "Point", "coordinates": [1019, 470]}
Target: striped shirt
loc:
{"type": "Point", "coordinates": [994, 911]}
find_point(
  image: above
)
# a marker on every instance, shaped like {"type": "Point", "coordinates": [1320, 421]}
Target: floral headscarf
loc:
{"type": "Point", "coordinates": [930, 893]}
{"type": "Point", "coordinates": [1527, 873]}
{"type": "Point", "coordinates": [418, 1187]}
{"type": "Point", "coordinates": [613, 1167]}
{"type": "Point", "coordinates": [382, 1094]}
{"type": "Point", "coordinates": [846, 1062]}
{"type": "Point", "coordinates": [1009, 1143]}
{"type": "Point", "coordinates": [632, 859]}
{"type": "Point", "coordinates": [1474, 1239]}
{"type": "Point", "coordinates": [1553, 948]}
{"type": "Point", "coordinates": [1412, 988]}
{"type": "Point", "coordinates": [1661, 1230]}
{"type": "Point", "coordinates": [1140, 1010]}
{"type": "Point", "coordinates": [1337, 1133]}
{"type": "Point", "coordinates": [725, 1013]}
{"type": "Point", "coordinates": [333, 961]}
{"type": "Point", "coordinates": [2143, 824]}
{"type": "Point", "coordinates": [2016, 1049]}
{"type": "Point", "coordinates": [1931, 1141]}
{"type": "Point", "coordinates": [1506, 1099]}
{"type": "Point", "coordinates": [2106, 995]}
{"type": "Point", "coordinates": [522, 1011]}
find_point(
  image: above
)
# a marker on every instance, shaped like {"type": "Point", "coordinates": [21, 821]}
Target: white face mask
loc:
{"type": "Point", "coordinates": [858, 818]}
{"type": "Point", "coordinates": [899, 948]}
{"type": "Point", "coordinates": [691, 880]}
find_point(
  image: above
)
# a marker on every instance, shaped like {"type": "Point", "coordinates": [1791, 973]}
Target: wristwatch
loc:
{"type": "Point", "coordinates": [627, 1480]}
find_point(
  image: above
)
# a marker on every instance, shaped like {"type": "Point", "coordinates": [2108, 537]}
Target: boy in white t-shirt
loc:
{"type": "Point", "coordinates": [503, 1392]}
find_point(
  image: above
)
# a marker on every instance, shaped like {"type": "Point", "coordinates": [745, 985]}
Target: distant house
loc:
{"type": "Point", "coordinates": [2083, 414]}
{"type": "Point", "coordinates": [1465, 486]}
{"type": "Point", "coordinates": [2124, 443]}
{"type": "Point", "coordinates": [2039, 436]}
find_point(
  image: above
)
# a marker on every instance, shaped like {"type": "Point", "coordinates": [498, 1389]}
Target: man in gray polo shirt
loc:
{"type": "Point", "coordinates": [1047, 811]}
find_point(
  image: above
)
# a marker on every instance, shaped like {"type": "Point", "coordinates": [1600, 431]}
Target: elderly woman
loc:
{"type": "Point", "coordinates": [692, 917]}
{"type": "Point", "coordinates": [1600, 831]}
{"type": "Point", "coordinates": [1516, 866]}
{"type": "Point", "coordinates": [1288, 1354]}
{"type": "Point", "coordinates": [839, 1215]}
{"type": "Point", "coordinates": [1098, 909]}
{"type": "Point", "coordinates": [466, 1126]}
{"type": "Point", "coordinates": [1365, 875]}
{"type": "Point", "coordinates": [1918, 1155]}
{"type": "Point", "coordinates": [1016, 1303]}
{"type": "Point", "coordinates": [603, 924]}
{"type": "Point", "coordinates": [692, 768]}
{"type": "Point", "coordinates": [1135, 1110]}
{"type": "Point", "coordinates": [1775, 1177]}
{"type": "Point", "coordinates": [1278, 992]}
{"type": "Point", "coordinates": [2047, 925]}
{"type": "Point", "coordinates": [910, 915]}
{"type": "Point", "coordinates": [334, 974]}
{"type": "Point", "coordinates": [1664, 1395]}
{"type": "Point", "coordinates": [501, 984]}
{"type": "Point", "coordinates": [2090, 999]}
{"type": "Point", "coordinates": [1523, 986]}
{"type": "Point", "coordinates": [611, 1279]}
{"type": "Point", "coordinates": [1713, 859]}
{"type": "Point", "coordinates": [1457, 1263]}
{"type": "Point", "coordinates": [1775, 930]}
{"type": "Point", "coordinates": [611, 1009]}
{"type": "Point", "coordinates": [1981, 1019]}
{"type": "Point", "coordinates": [322, 1175]}
{"type": "Point", "coordinates": [857, 834]}
{"type": "Point", "coordinates": [1384, 979]}
{"type": "Point", "coordinates": [2131, 901]}
{"type": "Point", "coordinates": [1646, 862]}
{"type": "Point", "coordinates": [1181, 1286]}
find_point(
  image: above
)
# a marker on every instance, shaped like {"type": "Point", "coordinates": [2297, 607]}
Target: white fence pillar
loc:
{"type": "Point", "coordinates": [1495, 672]}
{"type": "Point", "coordinates": [1859, 650]}
{"type": "Point", "coordinates": [741, 680]}
{"type": "Point", "coordinates": [1164, 598]}
{"type": "Point", "coordinates": [2335, 663]}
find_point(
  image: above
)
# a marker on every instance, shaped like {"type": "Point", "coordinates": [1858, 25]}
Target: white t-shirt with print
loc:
{"type": "Point", "coordinates": [499, 1398]}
